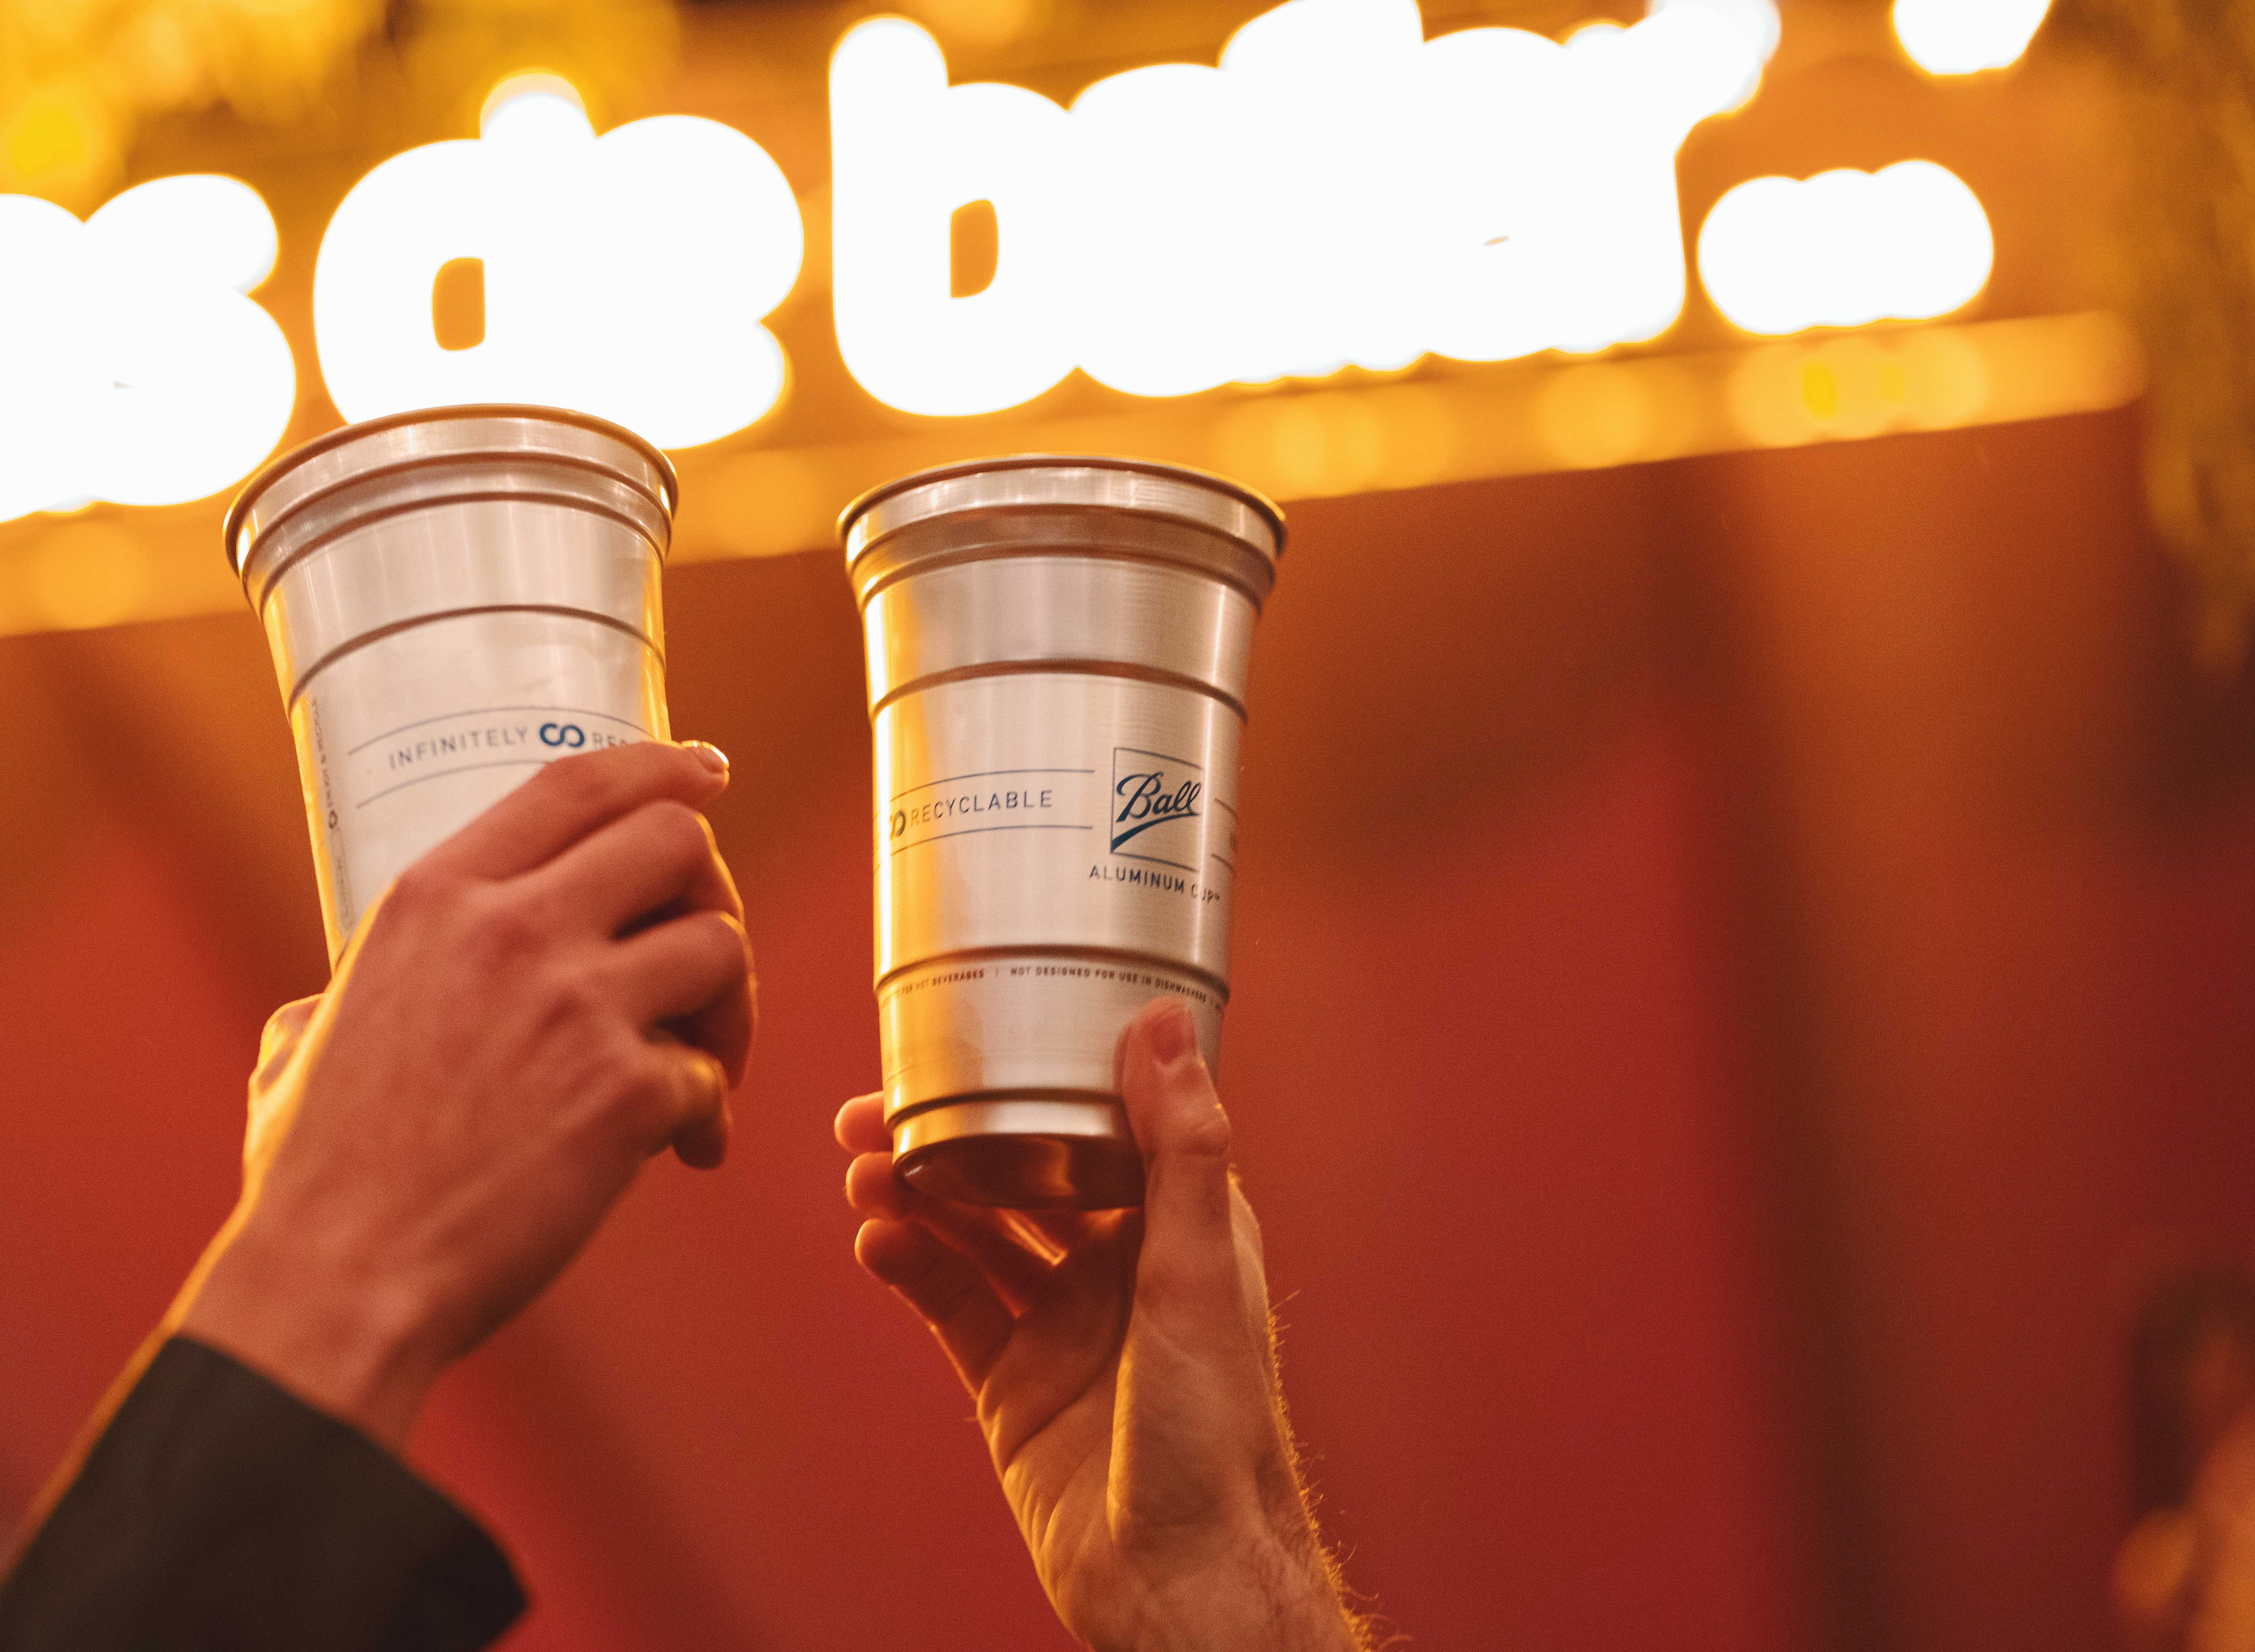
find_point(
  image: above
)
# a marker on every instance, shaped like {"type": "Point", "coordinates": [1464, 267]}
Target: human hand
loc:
{"type": "Point", "coordinates": [1125, 1373]}
{"type": "Point", "coordinates": [2184, 1578]}
{"type": "Point", "coordinates": [540, 1004]}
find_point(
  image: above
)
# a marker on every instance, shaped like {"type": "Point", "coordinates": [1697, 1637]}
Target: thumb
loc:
{"type": "Point", "coordinates": [285, 1029]}
{"type": "Point", "coordinates": [270, 1094]}
{"type": "Point", "coordinates": [1188, 1253]}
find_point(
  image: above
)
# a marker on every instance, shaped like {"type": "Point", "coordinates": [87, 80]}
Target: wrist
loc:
{"type": "Point", "coordinates": [357, 1347]}
{"type": "Point", "coordinates": [1268, 1591]}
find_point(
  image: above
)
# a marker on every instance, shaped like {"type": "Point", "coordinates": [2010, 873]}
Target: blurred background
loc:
{"type": "Point", "coordinates": [1747, 922]}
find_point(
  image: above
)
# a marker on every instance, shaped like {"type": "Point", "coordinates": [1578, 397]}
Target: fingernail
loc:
{"type": "Point", "coordinates": [708, 754]}
{"type": "Point", "coordinates": [1170, 1034]}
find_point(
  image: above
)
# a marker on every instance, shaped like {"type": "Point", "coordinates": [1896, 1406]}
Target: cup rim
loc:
{"type": "Point", "coordinates": [275, 469]}
{"type": "Point", "coordinates": [1258, 502]}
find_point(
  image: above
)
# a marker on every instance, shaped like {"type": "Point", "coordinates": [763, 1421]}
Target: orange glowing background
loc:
{"type": "Point", "coordinates": [1743, 956]}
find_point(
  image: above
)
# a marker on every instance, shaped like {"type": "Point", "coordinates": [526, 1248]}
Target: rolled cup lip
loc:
{"type": "Point", "coordinates": [1258, 502]}
{"type": "Point", "coordinates": [282, 464]}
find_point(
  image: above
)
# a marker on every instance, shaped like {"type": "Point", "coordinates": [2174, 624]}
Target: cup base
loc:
{"type": "Point", "coordinates": [1062, 1154]}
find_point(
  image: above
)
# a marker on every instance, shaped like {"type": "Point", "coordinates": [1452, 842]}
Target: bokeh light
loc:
{"type": "Point", "coordinates": [1864, 385]}
{"type": "Point", "coordinates": [136, 368]}
{"type": "Point", "coordinates": [78, 77]}
{"type": "Point", "coordinates": [1966, 37]}
{"type": "Point", "coordinates": [1846, 249]}
{"type": "Point", "coordinates": [626, 276]}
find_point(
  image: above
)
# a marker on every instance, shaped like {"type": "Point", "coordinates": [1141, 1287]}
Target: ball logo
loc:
{"type": "Point", "coordinates": [1151, 791]}
{"type": "Point", "coordinates": [570, 736]}
{"type": "Point", "coordinates": [900, 823]}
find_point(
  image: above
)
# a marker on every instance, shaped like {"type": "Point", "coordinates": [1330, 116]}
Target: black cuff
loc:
{"type": "Point", "coordinates": [218, 1513]}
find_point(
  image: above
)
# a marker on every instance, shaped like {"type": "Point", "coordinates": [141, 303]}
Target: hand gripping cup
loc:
{"type": "Point", "coordinates": [453, 598]}
{"type": "Point", "coordinates": [1056, 652]}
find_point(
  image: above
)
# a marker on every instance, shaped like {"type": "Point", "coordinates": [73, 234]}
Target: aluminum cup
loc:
{"type": "Point", "coordinates": [1056, 652]}
{"type": "Point", "coordinates": [453, 598]}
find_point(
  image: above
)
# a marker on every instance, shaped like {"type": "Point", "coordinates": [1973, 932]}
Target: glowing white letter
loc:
{"type": "Point", "coordinates": [1964, 37]}
{"type": "Point", "coordinates": [1908, 242]}
{"type": "Point", "coordinates": [625, 276]}
{"type": "Point", "coordinates": [908, 151]}
{"type": "Point", "coordinates": [133, 367]}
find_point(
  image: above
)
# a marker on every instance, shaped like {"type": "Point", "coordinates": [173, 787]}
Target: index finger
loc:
{"type": "Point", "coordinates": [575, 796]}
{"type": "Point", "coordinates": [861, 1126]}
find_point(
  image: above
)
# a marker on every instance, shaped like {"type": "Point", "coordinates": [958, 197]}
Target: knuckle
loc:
{"type": "Point", "coordinates": [1205, 1135]}
{"type": "Point", "coordinates": [680, 832]}
{"type": "Point", "coordinates": [422, 887]}
{"type": "Point", "coordinates": [508, 929]}
{"type": "Point", "coordinates": [722, 936]}
{"type": "Point", "coordinates": [583, 782]}
{"type": "Point", "coordinates": [569, 999]}
{"type": "Point", "coordinates": [631, 1092]}
{"type": "Point", "coordinates": [656, 1091]}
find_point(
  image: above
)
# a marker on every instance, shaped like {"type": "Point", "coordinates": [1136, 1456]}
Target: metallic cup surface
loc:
{"type": "Point", "coordinates": [454, 597]}
{"type": "Point", "coordinates": [1056, 651]}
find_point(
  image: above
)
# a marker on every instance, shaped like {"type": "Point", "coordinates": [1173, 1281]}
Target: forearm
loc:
{"type": "Point", "coordinates": [1274, 1592]}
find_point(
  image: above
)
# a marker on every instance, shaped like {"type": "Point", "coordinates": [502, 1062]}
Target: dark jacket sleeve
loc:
{"type": "Point", "coordinates": [217, 1513]}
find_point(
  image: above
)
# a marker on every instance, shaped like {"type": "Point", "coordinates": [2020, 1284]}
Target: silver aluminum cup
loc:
{"type": "Point", "coordinates": [454, 597]}
{"type": "Point", "coordinates": [1056, 652]}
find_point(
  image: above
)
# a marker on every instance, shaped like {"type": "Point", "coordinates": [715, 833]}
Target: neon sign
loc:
{"type": "Point", "coordinates": [626, 276]}
{"type": "Point", "coordinates": [1336, 190]}
{"type": "Point", "coordinates": [1966, 37]}
{"type": "Point", "coordinates": [1846, 249]}
{"type": "Point", "coordinates": [136, 368]}
{"type": "Point", "coordinates": [1339, 191]}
